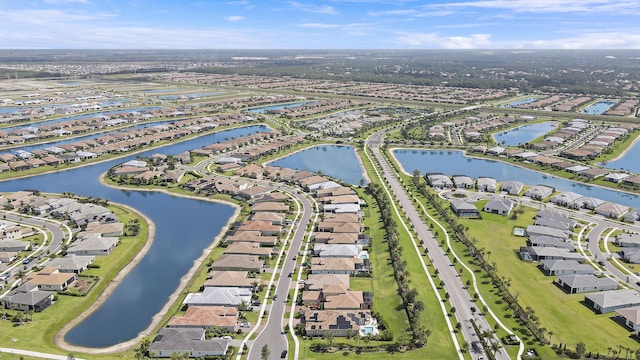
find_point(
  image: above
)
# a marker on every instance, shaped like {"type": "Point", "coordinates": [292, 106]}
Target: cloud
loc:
{"type": "Point", "coordinates": [392, 12]}
{"type": "Point", "coordinates": [546, 6]}
{"type": "Point", "coordinates": [318, 25]}
{"type": "Point", "coordinates": [435, 40]}
{"type": "Point", "coordinates": [318, 9]}
{"type": "Point", "coordinates": [234, 18]}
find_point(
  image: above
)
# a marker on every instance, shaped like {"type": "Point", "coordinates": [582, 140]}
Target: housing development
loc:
{"type": "Point", "coordinates": [313, 204]}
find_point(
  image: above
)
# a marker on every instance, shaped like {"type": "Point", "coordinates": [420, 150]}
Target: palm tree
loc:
{"type": "Point", "coordinates": [550, 333]}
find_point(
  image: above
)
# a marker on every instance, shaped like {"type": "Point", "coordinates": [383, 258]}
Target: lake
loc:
{"type": "Point", "coordinates": [598, 108]}
{"type": "Point", "coordinates": [337, 161]}
{"type": "Point", "coordinates": [524, 134]}
{"type": "Point", "coordinates": [263, 109]}
{"type": "Point", "coordinates": [629, 161]}
{"type": "Point", "coordinates": [519, 102]}
{"type": "Point", "coordinates": [455, 163]}
{"type": "Point", "coordinates": [145, 290]}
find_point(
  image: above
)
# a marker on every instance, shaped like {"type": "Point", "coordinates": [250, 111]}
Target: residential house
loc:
{"type": "Point", "coordinates": [340, 323]}
{"type": "Point", "coordinates": [338, 250]}
{"type": "Point", "coordinates": [533, 230]}
{"type": "Point", "coordinates": [574, 284]}
{"type": "Point", "coordinates": [71, 263]}
{"type": "Point", "coordinates": [586, 202]}
{"type": "Point", "coordinates": [612, 210]}
{"type": "Point", "coordinates": [612, 300]}
{"type": "Point", "coordinates": [632, 216]}
{"type": "Point", "coordinates": [631, 255]}
{"type": "Point", "coordinates": [462, 182]}
{"type": "Point", "coordinates": [544, 241]}
{"type": "Point", "coordinates": [176, 341]}
{"type": "Point", "coordinates": [539, 192]}
{"type": "Point", "coordinates": [27, 297]}
{"type": "Point", "coordinates": [565, 198]}
{"type": "Point", "coordinates": [235, 262]}
{"type": "Point", "coordinates": [206, 317]}
{"type": "Point", "coordinates": [232, 279]}
{"type": "Point", "coordinates": [536, 253]}
{"type": "Point", "coordinates": [512, 187]}
{"type": "Point", "coordinates": [350, 300]}
{"type": "Point", "coordinates": [50, 279]}
{"type": "Point", "coordinates": [497, 205]}
{"type": "Point", "coordinates": [439, 181]}
{"type": "Point", "coordinates": [348, 266]}
{"type": "Point", "coordinates": [219, 296]}
{"type": "Point", "coordinates": [247, 248]}
{"type": "Point", "coordinates": [627, 240]}
{"type": "Point", "coordinates": [93, 244]}
{"type": "Point", "coordinates": [487, 184]}
{"type": "Point", "coordinates": [631, 318]}
{"type": "Point", "coordinates": [464, 208]}
{"type": "Point", "coordinates": [319, 281]}
{"type": "Point", "coordinates": [565, 267]}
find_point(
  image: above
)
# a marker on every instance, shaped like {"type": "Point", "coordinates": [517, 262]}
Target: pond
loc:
{"type": "Point", "coordinates": [519, 102]}
{"type": "Point", "coordinates": [629, 161]}
{"type": "Point", "coordinates": [455, 163]}
{"type": "Point", "coordinates": [337, 161]}
{"type": "Point", "coordinates": [598, 108]}
{"type": "Point", "coordinates": [263, 109]}
{"type": "Point", "coordinates": [525, 133]}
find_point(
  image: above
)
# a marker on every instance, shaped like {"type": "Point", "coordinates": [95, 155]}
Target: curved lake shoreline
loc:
{"type": "Point", "coordinates": [498, 160]}
{"type": "Point", "coordinates": [123, 346]}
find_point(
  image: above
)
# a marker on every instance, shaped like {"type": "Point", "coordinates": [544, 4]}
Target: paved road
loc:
{"type": "Point", "coordinates": [272, 334]}
{"type": "Point", "coordinates": [459, 296]}
{"type": "Point", "coordinates": [57, 236]}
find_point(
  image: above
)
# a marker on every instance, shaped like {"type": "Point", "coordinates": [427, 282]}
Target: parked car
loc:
{"type": "Point", "coordinates": [283, 355]}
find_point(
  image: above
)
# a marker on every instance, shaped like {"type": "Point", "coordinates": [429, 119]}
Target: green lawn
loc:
{"type": "Point", "coordinates": [558, 312]}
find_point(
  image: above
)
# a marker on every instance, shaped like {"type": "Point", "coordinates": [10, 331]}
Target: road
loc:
{"type": "Point", "coordinates": [273, 334]}
{"type": "Point", "coordinates": [459, 296]}
{"type": "Point", "coordinates": [54, 240]}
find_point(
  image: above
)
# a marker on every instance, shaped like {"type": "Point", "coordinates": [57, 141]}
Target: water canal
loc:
{"type": "Point", "coordinates": [525, 133]}
{"type": "Point", "coordinates": [598, 108]}
{"type": "Point", "coordinates": [264, 109]}
{"type": "Point", "coordinates": [456, 163]}
{"type": "Point", "coordinates": [337, 161]}
{"type": "Point", "coordinates": [184, 228]}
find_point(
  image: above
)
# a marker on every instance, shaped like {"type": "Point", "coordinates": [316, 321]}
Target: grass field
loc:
{"type": "Point", "coordinates": [562, 314]}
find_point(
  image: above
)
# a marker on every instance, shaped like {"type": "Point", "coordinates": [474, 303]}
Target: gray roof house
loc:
{"type": "Point", "coordinates": [439, 181]}
{"type": "Point", "coordinates": [565, 198]}
{"type": "Point", "coordinates": [565, 267]}
{"type": "Point", "coordinates": [630, 317]}
{"type": "Point", "coordinates": [512, 187]}
{"type": "Point", "coordinates": [631, 255]}
{"type": "Point", "coordinates": [555, 223]}
{"type": "Point", "coordinates": [586, 202]}
{"type": "Point", "coordinates": [574, 284]}
{"type": "Point", "coordinates": [170, 341]}
{"type": "Point", "coordinates": [537, 253]}
{"type": "Point", "coordinates": [608, 301]}
{"type": "Point", "coordinates": [464, 208]}
{"type": "Point", "coordinates": [462, 182]}
{"type": "Point", "coordinates": [71, 263]}
{"type": "Point", "coordinates": [632, 216]}
{"type": "Point", "coordinates": [548, 241]}
{"type": "Point", "coordinates": [546, 231]}
{"type": "Point", "coordinates": [539, 192]}
{"type": "Point", "coordinates": [497, 205]}
{"type": "Point", "coordinates": [562, 221]}
{"type": "Point", "coordinates": [627, 240]}
{"type": "Point", "coordinates": [612, 210]}
{"type": "Point", "coordinates": [219, 296]}
{"type": "Point", "coordinates": [487, 184]}
{"type": "Point", "coordinates": [13, 245]}
{"type": "Point", "coordinates": [28, 297]}
{"type": "Point", "coordinates": [93, 244]}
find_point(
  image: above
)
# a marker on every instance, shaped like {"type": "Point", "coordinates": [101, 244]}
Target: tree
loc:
{"type": "Point", "coordinates": [581, 348]}
{"type": "Point", "coordinates": [265, 352]}
{"type": "Point", "coordinates": [329, 337]}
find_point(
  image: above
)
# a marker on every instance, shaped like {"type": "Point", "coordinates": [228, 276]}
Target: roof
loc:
{"type": "Point", "coordinates": [607, 299]}
{"type": "Point", "coordinates": [206, 316]}
{"type": "Point", "coordinates": [631, 314]}
{"type": "Point", "coordinates": [187, 340]}
{"type": "Point", "coordinates": [71, 262]}
{"type": "Point", "coordinates": [224, 296]}
{"type": "Point", "coordinates": [586, 280]}
{"type": "Point", "coordinates": [343, 250]}
{"type": "Point", "coordinates": [500, 204]}
{"type": "Point", "coordinates": [237, 261]}
{"type": "Point", "coordinates": [348, 300]}
{"type": "Point", "coordinates": [317, 281]}
{"type": "Point", "coordinates": [559, 265]}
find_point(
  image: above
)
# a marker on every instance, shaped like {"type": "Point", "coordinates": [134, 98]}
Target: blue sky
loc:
{"type": "Point", "coordinates": [329, 24]}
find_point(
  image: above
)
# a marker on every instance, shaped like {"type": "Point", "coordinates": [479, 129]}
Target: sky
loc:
{"type": "Point", "coordinates": [314, 24]}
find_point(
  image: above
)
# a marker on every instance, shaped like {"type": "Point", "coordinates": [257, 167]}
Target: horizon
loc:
{"type": "Point", "coordinates": [320, 25]}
